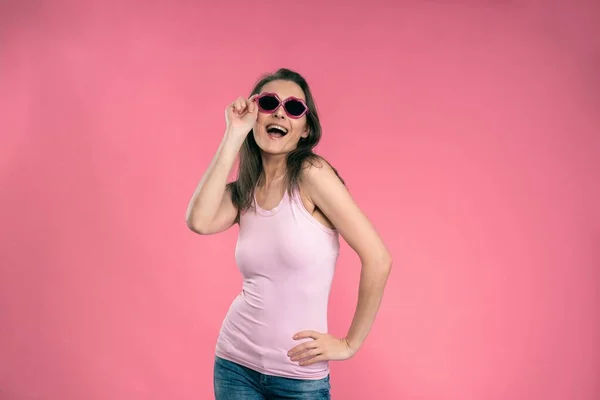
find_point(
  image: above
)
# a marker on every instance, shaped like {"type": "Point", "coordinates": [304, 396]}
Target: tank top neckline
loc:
{"type": "Point", "coordinates": [266, 213]}
{"type": "Point", "coordinates": [297, 200]}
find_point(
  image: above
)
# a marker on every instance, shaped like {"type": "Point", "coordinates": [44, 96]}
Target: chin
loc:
{"type": "Point", "coordinates": [273, 150]}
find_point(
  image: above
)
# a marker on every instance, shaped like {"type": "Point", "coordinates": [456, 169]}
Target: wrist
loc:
{"type": "Point", "coordinates": [232, 143]}
{"type": "Point", "coordinates": [352, 344]}
{"type": "Point", "coordinates": [235, 135]}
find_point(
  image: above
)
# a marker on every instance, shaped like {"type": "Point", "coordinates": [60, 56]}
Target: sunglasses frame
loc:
{"type": "Point", "coordinates": [281, 104]}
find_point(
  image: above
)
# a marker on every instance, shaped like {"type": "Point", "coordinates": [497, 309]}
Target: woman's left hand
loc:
{"type": "Point", "coordinates": [323, 347]}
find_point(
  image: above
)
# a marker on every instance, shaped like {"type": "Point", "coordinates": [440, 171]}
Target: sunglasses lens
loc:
{"type": "Point", "coordinates": [295, 108]}
{"type": "Point", "coordinates": [268, 103]}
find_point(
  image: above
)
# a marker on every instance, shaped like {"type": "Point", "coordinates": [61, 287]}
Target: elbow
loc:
{"type": "Point", "coordinates": [199, 229]}
{"type": "Point", "coordinates": [384, 264]}
{"type": "Point", "coordinates": [192, 226]}
{"type": "Point", "coordinates": [379, 264]}
{"type": "Point", "coordinates": [195, 225]}
{"type": "Point", "coordinates": [387, 263]}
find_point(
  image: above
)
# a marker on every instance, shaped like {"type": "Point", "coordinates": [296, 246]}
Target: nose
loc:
{"type": "Point", "coordinates": [279, 113]}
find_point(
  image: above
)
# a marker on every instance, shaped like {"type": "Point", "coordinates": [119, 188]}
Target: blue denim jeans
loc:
{"type": "Point", "coordinates": [233, 381]}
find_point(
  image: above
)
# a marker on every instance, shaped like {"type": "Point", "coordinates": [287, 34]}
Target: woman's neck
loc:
{"type": "Point", "coordinates": [274, 169]}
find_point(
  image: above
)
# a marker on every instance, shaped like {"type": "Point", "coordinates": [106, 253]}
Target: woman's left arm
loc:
{"type": "Point", "coordinates": [329, 194]}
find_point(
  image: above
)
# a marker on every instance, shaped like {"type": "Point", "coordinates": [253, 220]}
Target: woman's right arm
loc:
{"type": "Point", "coordinates": [210, 209]}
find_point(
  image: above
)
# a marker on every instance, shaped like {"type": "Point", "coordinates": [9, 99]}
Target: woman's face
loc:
{"type": "Point", "coordinates": [277, 133]}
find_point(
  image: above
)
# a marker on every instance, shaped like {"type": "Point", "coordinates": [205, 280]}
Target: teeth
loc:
{"type": "Point", "coordinates": [278, 127]}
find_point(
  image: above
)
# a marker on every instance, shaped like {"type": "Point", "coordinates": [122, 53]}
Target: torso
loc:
{"type": "Point", "coordinates": [286, 252]}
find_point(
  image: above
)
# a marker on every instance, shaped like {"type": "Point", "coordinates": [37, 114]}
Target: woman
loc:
{"type": "Point", "coordinates": [291, 207]}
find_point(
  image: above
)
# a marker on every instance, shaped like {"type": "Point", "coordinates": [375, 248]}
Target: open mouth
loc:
{"type": "Point", "coordinates": [276, 131]}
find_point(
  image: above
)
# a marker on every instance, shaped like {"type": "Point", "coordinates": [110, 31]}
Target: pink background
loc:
{"type": "Point", "coordinates": [468, 133]}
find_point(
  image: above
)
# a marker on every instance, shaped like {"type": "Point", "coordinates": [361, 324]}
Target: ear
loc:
{"type": "Point", "coordinates": [305, 133]}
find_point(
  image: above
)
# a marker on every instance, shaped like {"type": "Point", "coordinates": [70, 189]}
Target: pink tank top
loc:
{"type": "Point", "coordinates": [287, 259]}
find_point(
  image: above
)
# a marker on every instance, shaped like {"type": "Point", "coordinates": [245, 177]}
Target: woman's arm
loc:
{"type": "Point", "coordinates": [210, 209]}
{"type": "Point", "coordinates": [330, 195]}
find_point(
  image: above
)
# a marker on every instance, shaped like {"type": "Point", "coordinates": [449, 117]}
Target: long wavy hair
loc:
{"type": "Point", "coordinates": [250, 168]}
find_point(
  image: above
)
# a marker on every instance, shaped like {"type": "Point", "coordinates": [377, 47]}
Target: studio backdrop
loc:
{"type": "Point", "coordinates": [468, 133]}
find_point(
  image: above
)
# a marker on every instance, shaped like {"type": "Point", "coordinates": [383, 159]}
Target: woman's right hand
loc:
{"type": "Point", "coordinates": [241, 116]}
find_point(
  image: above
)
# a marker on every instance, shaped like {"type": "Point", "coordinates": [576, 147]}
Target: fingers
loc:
{"type": "Point", "coordinates": [251, 105]}
{"type": "Point", "coordinates": [313, 360]}
{"type": "Point", "coordinates": [302, 347]}
{"type": "Point", "coordinates": [239, 105]}
{"type": "Point", "coordinates": [307, 334]}
{"type": "Point", "coordinates": [306, 354]}
{"type": "Point", "coordinates": [324, 347]}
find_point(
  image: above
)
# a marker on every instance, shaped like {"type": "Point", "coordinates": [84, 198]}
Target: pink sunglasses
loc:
{"type": "Point", "coordinates": [270, 102]}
